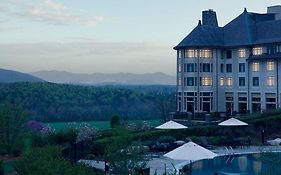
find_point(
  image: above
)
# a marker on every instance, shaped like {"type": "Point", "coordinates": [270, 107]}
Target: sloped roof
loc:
{"type": "Point", "coordinates": [239, 31]}
{"type": "Point", "coordinates": [268, 32]}
{"type": "Point", "coordinates": [246, 29]}
{"type": "Point", "coordinates": [203, 35]}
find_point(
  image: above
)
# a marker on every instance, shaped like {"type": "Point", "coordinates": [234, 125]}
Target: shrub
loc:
{"type": "Point", "coordinates": [1, 168]}
{"type": "Point", "coordinates": [166, 139]}
{"type": "Point", "coordinates": [63, 137]}
{"type": "Point", "coordinates": [115, 121]}
{"type": "Point", "coordinates": [216, 140]}
{"type": "Point", "coordinates": [48, 161]}
{"type": "Point", "coordinates": [86, 133]}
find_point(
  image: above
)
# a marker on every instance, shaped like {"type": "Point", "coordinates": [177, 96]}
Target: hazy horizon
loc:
{"type": "Point", "coordinates": [103, 36]}
{"type": "Point", "coordinates": [101, 72]}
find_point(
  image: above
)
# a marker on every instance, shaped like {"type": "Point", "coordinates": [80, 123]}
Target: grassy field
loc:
{"type": "Point", "coordinates": [97, 124]}
{"type": "Point", "coordinates": [8, 167]}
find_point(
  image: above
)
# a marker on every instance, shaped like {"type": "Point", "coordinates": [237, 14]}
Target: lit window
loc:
{"type": "Point", "coordinates": [221, 81]}
{"type": "Point", "coordinates": [242, 81]}
{"type": "Point", "coordinates": [206, 81]}
{"type": "Point", "coordinates": [191, 53]}
{"type": "Point", "coordinates": [242, 53]}
{"type": "Point", "coordinates": [270, 66]}
{"type": "Point", "coordinates": [180, 54]}
{"type": "Point", "coordinates": [257, 50]}
{"type": "Point", "coordinates": [205, 53]}
{"type": "Point", "coordinates": [179, 67]}
{"type": "Point", "coordinates": [279, 49]}
{"type": "Point", "coordinates": [229, 81]}
{"type": "Point", "coordinates": [179, 81]}
{"type": "Point", "coordinates": [256, 81]}
{"type": "Point", "coordinates": [255, 67]}
{"type": "Point", "coordinates": [270, 81]}
{"type": "Point", "coordinates": [241, 67]}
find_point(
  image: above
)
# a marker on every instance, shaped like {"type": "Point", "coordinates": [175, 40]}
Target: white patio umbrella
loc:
{"type": "Point", "coordinates": [232, 122]}
{"type": "Point", "coordinates": [274, 142]}
{"type": "Point", "coordinates": [190, 151]}
{"type": "Point", "coordinates": [171, 125]}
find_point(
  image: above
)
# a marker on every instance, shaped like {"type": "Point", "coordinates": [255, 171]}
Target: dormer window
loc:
{"type": "Point", "coordinates": [257, 50]}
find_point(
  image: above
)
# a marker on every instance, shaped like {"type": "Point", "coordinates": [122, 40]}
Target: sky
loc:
{"type": "Point", "coordinates": [105, 36]}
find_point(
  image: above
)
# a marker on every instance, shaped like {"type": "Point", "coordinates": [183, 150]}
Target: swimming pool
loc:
{"type": "Point", "coordinates": [249, 164]}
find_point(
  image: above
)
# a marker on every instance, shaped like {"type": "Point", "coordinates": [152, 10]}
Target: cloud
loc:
{"type": "Point", "coordinates": [54, 5]}
{"type": "Point", "coordinates": [9, 28]}
{"type": "Point", "coordinates": [51, 12]}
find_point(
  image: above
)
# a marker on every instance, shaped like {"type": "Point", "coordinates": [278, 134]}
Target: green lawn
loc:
{"type": "Point", "coordinates": [8, 167]}
{"type": "Point", "coordinates": [97, 124]}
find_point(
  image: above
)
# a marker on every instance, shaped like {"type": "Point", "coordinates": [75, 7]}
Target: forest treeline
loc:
{"type": "Point", "coordinates": [50, 102]}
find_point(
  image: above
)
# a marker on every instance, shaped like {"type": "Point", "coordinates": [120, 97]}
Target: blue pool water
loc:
{"type": "Point", "coordinates": [251, 164]}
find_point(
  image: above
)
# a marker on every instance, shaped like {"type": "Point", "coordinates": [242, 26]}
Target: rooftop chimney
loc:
{"type": "Point", "coordinates": [275, 10]}
{"type": "Point", "coordinates": [209, 18]}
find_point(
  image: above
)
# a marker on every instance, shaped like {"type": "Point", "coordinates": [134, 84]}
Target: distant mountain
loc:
{"type": "Point", "coordinates": [10, 76]}
{"type": "Point", "coordinates": [106, 79]}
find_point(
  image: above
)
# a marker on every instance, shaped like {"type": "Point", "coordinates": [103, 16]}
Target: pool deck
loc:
{"type": "Point", "coordinates": [222, 151]}
{"type": "Point", "coordinates": [158, 164]}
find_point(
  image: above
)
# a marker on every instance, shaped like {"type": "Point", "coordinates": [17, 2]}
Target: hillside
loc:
{"type": "Point", "coordinates": [100, 78]}
{"type": "Point", "coordinates": [56, 102]}
{"type": "Point", "coordinates": [10, 76]}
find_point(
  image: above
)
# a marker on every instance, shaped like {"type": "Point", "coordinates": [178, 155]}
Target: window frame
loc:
{"type": "Point", "coordinates": [257, 51]}
{"type": "Point", "coordinates": [241, 65]}
{"type": "Point", "coordinates": [255, 79]}
{"type": "Point", "coordinates": [270, 81]}
{"type": "Point", "coordinates": [228, 66]}
{"type": "Point", "coordinates": [229, 81]}
{"type": "Point", "coordinates": [255, 66]}
{"type": "Point", "coordinates": [270, 65]}
{"type": "Point", "coordinates": [206, 81]}
{"type": "Point", "coordinates": [241, 53]}
{"type": "Point", "coordinates": [239, 81]}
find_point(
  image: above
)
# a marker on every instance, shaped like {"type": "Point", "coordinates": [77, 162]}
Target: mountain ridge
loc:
{"type": "Point", "coordinates": [11, 76]}
{"type": "Point", "coordinates": [56, 76]}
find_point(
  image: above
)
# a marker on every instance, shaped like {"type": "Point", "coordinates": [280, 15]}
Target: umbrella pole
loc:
{"type": "Point", "coordinates": [190, 169]}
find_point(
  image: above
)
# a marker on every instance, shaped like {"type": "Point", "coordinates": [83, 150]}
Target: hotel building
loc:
{"type": "Point", "coordinates": [231, 68]}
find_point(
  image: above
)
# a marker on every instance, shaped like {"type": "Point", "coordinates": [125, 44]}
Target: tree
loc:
{"type": "Point", "coordinates": [124, 157]}
{"type": "Point", "coordinates": [115, 121]}
{"type": "Point", "coordinates": [12, 127]}
{"type": "Point", "coordinates": [165, 103]}
{"type": "Point", "coordinates": [48, 160]}
{"type": "Point", "coordinates": [1, 168]}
